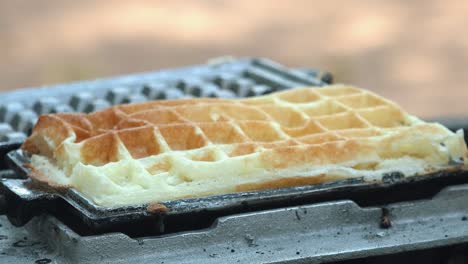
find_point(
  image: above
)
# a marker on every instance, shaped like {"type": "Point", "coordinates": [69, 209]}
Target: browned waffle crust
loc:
{"type": "Point", "coordinates": [170, 149]}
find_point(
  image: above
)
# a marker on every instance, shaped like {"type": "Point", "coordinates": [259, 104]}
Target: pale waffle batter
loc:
{"type": "Point", "coordinates": [165, 150]}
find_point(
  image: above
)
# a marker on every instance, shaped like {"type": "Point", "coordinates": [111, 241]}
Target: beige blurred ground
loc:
{"type": "Point", "coordinates": [414, 52]}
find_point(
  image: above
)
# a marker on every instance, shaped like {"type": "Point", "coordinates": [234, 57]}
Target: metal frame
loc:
{"type": "Point", "coordinates": [315, 233]}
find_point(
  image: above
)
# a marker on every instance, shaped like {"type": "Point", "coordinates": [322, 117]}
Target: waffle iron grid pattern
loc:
{"type": "Point", "coordinates": [238, 78]}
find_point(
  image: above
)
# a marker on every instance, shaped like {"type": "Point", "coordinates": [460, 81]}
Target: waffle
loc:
{"type": "Point", "coordinates": [171, 149]}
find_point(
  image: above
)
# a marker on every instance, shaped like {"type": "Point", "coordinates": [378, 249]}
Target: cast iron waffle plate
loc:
{"type": "Point", "coordinates": [230, 78]}
{"type": "Point", "coordinates": [238, 78]}
{"type": "Point", "coordinates": [24, 201]}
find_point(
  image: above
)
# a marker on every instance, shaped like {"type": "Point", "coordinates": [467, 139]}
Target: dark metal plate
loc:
{"type": "Point", "coordinates": [24, 201]}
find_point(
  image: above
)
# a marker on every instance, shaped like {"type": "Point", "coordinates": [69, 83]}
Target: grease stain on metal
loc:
{"type": "Point", "coordinates": [298, 217]}
{"type": "Point", "coordinates": [43, 261]}
{"type": "Point", "coordinates": [385, 221]}
{"type": "Point", "coordinates": [250, 240]}
{"type": "Point", "coordinates": [23, 243]}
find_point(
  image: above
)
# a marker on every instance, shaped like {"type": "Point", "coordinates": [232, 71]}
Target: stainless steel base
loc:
{"type": "Point", "coordinates": [18, 246]}
{"type": "Point", "coordinates": [314, 233]}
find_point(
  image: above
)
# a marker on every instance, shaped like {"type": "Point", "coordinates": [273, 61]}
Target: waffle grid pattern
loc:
{"type": "Point", "coordinates": [218, 129]}
{"type": "Point", "coordinates": [170, 149]}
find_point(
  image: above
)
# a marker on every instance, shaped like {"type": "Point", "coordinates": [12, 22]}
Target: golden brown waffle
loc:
{"type": "Point", "coordinates": [164, 150]}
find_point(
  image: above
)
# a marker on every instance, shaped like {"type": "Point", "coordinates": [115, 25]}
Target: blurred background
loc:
{"type": "Point", "coordinates": [413, 52]}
